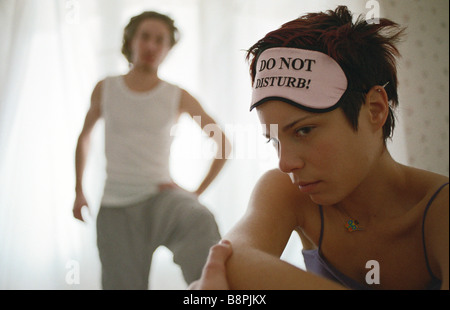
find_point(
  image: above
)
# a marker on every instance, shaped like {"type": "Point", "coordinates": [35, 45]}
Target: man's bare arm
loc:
{"type": "Point", "coordinates": [82, 149]}
{"type": "Point", "coordinates": [191, 106]}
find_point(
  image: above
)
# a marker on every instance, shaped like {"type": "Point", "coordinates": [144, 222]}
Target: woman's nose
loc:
{"type": "Point", "coordinates": [289, 159]}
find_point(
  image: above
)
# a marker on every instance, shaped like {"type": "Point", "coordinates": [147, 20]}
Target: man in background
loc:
{"type": "Point", "coordinates": [142, 208]}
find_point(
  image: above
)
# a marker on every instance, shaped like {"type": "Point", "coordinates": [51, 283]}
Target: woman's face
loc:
{"type": "Point", "coordinates": [325, 157]}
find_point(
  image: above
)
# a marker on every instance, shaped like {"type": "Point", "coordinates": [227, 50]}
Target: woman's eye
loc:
{"type": "Point", "coordinates": [304, 131]}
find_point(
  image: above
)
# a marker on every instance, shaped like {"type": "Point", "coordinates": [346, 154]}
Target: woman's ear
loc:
{"type": "Point", "coordinates": [377, 106]}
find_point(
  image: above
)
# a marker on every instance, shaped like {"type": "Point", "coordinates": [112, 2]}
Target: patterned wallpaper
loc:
{"type": "Point", "coordinates": [423, 115]}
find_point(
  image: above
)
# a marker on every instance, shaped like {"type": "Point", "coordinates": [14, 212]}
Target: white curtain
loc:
{"type": "Point", "coordinates": [52, 54]}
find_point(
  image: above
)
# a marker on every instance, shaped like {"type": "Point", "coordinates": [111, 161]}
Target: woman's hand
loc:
{"type": "Point", "coordinates": [214, 276]}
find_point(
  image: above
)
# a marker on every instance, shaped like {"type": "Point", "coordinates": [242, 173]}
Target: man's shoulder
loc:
{"type": "Point", "coordinates": [100, 83]}
{"type": "Point", "coordinates": [170, 84]}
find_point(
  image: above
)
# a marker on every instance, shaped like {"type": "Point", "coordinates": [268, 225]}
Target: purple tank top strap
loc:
{"type": "Point", "coordinates": [321, 226]}
{"type": "Point", "coordinates": [423, 230]}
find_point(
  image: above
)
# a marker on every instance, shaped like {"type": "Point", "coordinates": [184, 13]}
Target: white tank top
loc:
{"type": "Point", "coordinates": [137, 139]}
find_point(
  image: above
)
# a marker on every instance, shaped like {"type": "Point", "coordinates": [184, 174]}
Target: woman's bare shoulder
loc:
{"type": "Point", "coordinates": [423, 181]}
{"type": "Point", "coordinates": [276, 185]}
{"type": "Point", "coordinates": [436, 221]}
{"type": "Point", "coordinates": [276, 191]}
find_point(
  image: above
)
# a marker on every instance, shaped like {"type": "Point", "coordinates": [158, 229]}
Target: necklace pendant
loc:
{"type": "Point", "coordinates": [353, 225]}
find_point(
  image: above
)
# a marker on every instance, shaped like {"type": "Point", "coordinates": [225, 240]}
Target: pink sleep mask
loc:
{"type": "Point", "coordinates": [310, 80]}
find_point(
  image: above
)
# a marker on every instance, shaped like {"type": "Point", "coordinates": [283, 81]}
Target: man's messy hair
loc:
{"type": "Point", "coordinates": [131, 28]}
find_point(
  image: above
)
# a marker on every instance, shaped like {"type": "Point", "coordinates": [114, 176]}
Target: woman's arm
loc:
{"type": "Point", "coordinates": [259, 239]}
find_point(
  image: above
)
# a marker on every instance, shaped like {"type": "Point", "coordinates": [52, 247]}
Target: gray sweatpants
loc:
{"type": "Point", "coordinates": [128, 236]}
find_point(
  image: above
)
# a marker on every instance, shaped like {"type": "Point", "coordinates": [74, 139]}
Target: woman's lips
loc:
{"type": "Point", "coordinates": [304, 186]}
{"type": "Point", "coordinates": [308, 187]}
